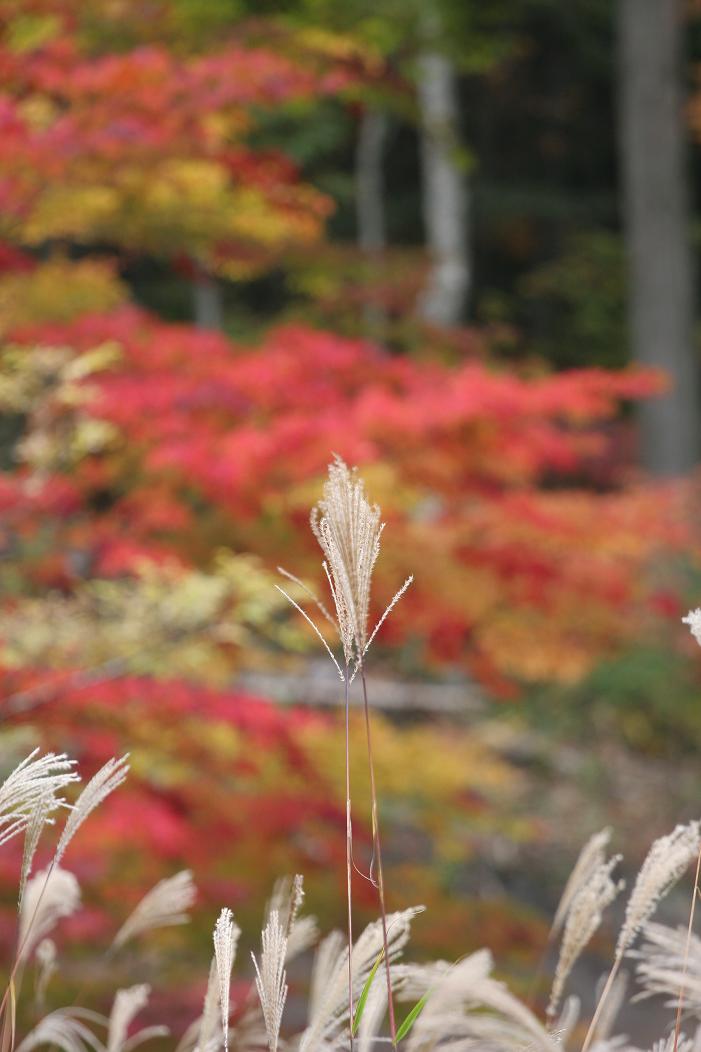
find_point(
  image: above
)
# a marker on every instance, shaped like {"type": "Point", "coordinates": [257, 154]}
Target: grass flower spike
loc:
{"type": "Point", "coordinates": [33, 789]}
{"type": "Point", "coordinates": [107, 779]}
{"type": "Point", "coordinates": [226, 937]}
{"type": "Point", "coordinates": [271, 980]}
{"type": "Point", "coordinates": [583, 919]}
{"type": "Point", "coordinates": [166, 904]}
{"type": "Point", "coordinates": [49, 896]}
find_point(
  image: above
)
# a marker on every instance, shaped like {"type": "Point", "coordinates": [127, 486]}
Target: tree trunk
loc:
{"type": "Point", "coordinates": [657, 222]}
{"type": "Point", "coordinates": [369, 200]}
{"type": "Point", "coordinates": [444, 190]}
{"type": "Point", "coordinates": [207, 301]}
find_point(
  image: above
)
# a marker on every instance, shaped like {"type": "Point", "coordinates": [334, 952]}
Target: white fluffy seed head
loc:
{"type": "Point", "coordinates": [693, 620]}
{"type": "Point", "coordinates": [666, 861]}
{"type": "Point", "coordinates": [328, 1013]}
{"type": "Point", "coordinates": [66, 1029]}
{"type": "Point", "coordinates": [33, 789]}
{"type": "Point", "coordinates": [49, 896]}
{"type": "Point", "coordinates": [126, 1005]}
{"type": "Point", "coordinates": [582, 921]}
{"type": "Point", "coordinates": [287, 898]}
{"type": "Point", "coordinates": [348, 530]}
{"type": "Point", "coordinates": [669, 963]}
{"type": "Point", "coordinates": [590, 858]}
{"type": "Point", "coordinates": [165, 905]}
{"type": "Point", "coordinates": [271, 981]}
{"type": "Point", "coordinates": [107, 779]}
{"type": "Point", "coordinates": [226, 937]}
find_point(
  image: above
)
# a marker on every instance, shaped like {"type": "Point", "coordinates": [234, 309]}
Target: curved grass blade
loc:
{"type": "Point", "coordinates": [411, 1018]}
{"type": "Point", "coordinates": [362, 1000]}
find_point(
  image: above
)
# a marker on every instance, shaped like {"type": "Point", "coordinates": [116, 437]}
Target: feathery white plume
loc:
{"type": "Point", "coordinates": [107, 779]}
{"type": "Point", "coordinates": [34, 783]}
{"type": "Point", "coordinates": [693, 620]}
{"type": "Point", "coordinates": [39, 818]}
{"type": "Point", "coordinates": [348, 530]}
{"type": "Point", "coordinates": [271, 978]}
{"type": "Point", "coordinates": [50, 895]}
{"type": "Point", "coordinates": [166, 904]}
{"type": "Point", "coordinates": [287, 899]}
{"type": "Point", "coordinates": [454, 1014]}
{"type": "Point", "coordinates": [583, 919]}
{"type": "Point", "coordinates": [328, 960]}
{"type": "Point", "coordinates": [208, 1028]}
{"type": "Point", "coordinates": [666, 861]}
{"type": "Point", "coordinates": [662, 970]}
{"type": "Point", "coordinates": [66, 1030]}
{"type": "Point", "coordinates": [226, 937]}
{"type": "Point", "coordinates": [590, 858]}
{"type": "Point", "coordinates": [667, 1044]}
{"type": "Point", "coordinates": [329, 1004]}
{"type": "Point", "coordinates": [126, 1005]}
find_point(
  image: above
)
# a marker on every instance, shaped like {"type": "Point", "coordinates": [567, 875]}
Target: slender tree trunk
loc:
{"type": "Point", "coordinates": [444, 189]}
{"type": "Point", "coordinates": [369, 199]}
{"type": "Point", "coordinates": [207, 301]}
{"type": "Point", "coordinates": [657, 221]}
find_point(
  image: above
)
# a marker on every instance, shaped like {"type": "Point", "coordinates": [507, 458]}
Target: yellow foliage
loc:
{"type": "Point", "coordinates": [38, 111]}
{"type": "Point", "coordinates": [177, 206]}
{"type": "Point", "coordinates": [78, 213]}
{"type": "Point", "coordinates": [58, 290]}
{"type": "Point", "coordinates": [164, 621]}
{"type": "Point", "coordinates": [425, 770]}
{"type": "Point", "coordinates": [27, 31]}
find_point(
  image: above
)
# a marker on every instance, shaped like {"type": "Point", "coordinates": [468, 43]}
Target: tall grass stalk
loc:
{"type": "Point", "coordinates": [348, 530]}
{"type": "Point", "coordinates": [377, 854]}
{"type": "Point", "coordinates": [349, 855]}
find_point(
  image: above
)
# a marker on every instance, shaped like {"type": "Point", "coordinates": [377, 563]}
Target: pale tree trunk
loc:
{"type": "Point", "coordinates": [657, 221]}
{"type": "Point", "coordinates": [444, 192]}
{"type": "Point", "coordinates": [207, 301]}
{"type": "Point", "coordinates": [369, 198]}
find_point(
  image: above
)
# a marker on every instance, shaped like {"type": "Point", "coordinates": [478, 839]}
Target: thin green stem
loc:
{"type": "Point", "coordinates": [349, 858]}
{"type": "Point", "coordinates": [377, 849]}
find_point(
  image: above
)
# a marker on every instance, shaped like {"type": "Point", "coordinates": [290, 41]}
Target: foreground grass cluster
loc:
{"type": "Point", "coordinates": [457, 1006]}
{"type": "Point", "coordinates": [357, 984]}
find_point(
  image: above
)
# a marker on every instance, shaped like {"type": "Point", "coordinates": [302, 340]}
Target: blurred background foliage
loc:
{"type": "Point", "coordinates": [237, 238]}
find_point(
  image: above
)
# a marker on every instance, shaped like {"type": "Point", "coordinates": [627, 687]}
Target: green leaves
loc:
{"type": "Point", "coordinates": [410, 1019]}
{"type": "Point", "coordinates": [362, 1000]}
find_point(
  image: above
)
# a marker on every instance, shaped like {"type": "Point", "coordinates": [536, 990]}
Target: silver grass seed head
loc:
{"type": "Point", "coordinates": [31, 789]}
{"type": "Point", "coordinates": [66, 1029]}
{"type": "Point", "coordinates": [668, 1044]}
{"type": "Point", "coordinates": [226, 937]}
{"type": "Point", "coordinates": [165, 905]}
{"type": "Point", "coordinates": [107, 779]}
{"type": "Point", "coordinates": [669, 963]}
{"type": "Point", "coordinates": [51, 895]}
{"type": "Point", "coordinates": [348, 530]}
{"type": "Point", "coordinates": [271, 978]}
{"type": "Point", "coordinates": [693, 620]}
{"type": "Point", "coordinates": [583, 919]}
{"type": "Point", "coordinates": [666, 861]}
{"type": "Point", "coordinates": [591, 856]}
{"type": "Point", "coordinates": [126, 1005]}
